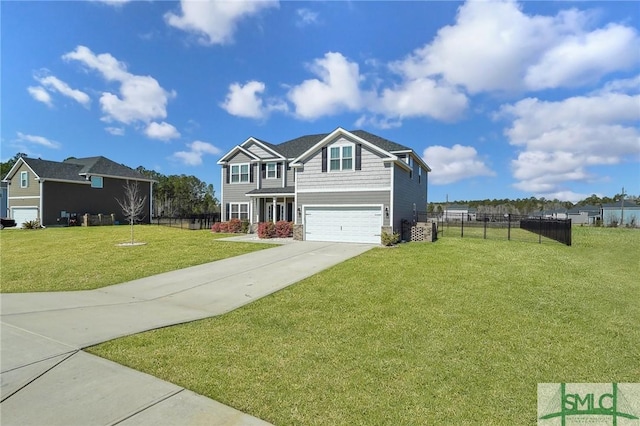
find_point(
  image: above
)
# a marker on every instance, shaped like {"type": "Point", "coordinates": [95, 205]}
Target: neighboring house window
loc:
{"type": "Point", "coordinates": [341, 158]}
{"type": "Point", "coordinates": [239, 173]}
{"type": "Point", "coordinates": [96, 181]}
{"type": "Point", "coordinates": [24, 179]}
{"type": "Point", "coordinates": [419, 174]}
{"type": "Point", "coordinates": [239, 211]}
{"type": "Point", "coordinates": [272, 171]}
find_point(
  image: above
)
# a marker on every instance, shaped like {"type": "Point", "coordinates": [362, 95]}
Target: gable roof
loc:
{"type": "Point", "coordinates": [294, 148]}
{"type": "Point", "coordinates": [77, 169]}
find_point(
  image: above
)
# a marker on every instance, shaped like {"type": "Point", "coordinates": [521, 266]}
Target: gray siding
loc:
{"type": "Point", "coordinates": [407, 192]}
{"type": "Point", "coordinates": [81, 199]}
{"type": "Point", "coordinates": [289, 178]}
{"type": "Point", "coordinates": [374, 174]}
{"type": "Point", "coordinates": [235, 192]}
{"type": "Point", "coordinates": [239, 158]}
{"type": "Point", "coordinates": [32, 190]}
{"type": "Point", "coordinates": [276, 182]}
{"type": "Point", "coordinates": [258, 150]}
{"type": "Point", "coordinates": [346, 198]}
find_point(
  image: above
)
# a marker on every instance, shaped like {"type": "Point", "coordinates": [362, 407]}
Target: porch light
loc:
{"type": "Point", "coordinates": [299, 212]}
{"type": "Point", "coordinates": [386, 211]}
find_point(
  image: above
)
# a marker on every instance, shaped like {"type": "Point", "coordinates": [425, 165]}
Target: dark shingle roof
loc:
{"type": "Point", "coordinates": [298, 146]}
{"type": "Point", "coordinates": [285, 190]}
{"type": "Point", "coordinates": [104, 166]}
{"type": "Point", "coordinates": [74, 169]}
{"type": "Point", "coordinates": [627, 203]}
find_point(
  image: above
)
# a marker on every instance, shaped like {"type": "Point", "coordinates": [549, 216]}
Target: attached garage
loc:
{"type": "Point", "coordinates": [353, 224]}
{"type": "Point", "coordinates": [23, 214]}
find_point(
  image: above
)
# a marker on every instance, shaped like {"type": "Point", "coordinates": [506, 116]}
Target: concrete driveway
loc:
{"type": "Point", "coordinates": [46, 378]}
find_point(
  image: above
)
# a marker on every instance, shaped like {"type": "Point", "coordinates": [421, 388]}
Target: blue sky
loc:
{"type": "Point", "coordinates": [502, 99]}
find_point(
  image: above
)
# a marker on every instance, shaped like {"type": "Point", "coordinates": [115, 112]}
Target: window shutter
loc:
{"type": "Point", "coordinates": [226, 212]}
{"type": "Point", "coordinates": [250, 172]}
{"type": "Point", "coordinates": [359, 156]}
{"type": "Point", "coordinates": [264, 170]}
{"type": "Point", "coordinates": [324, 159]}
{"type": "Point", "coordinates": [279, 170]}
{"type": "Point", "coordinates": [228, 172]}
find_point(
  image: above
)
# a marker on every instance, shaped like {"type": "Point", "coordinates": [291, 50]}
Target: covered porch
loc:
{"type": "Point", "coordinates": [272, 205]}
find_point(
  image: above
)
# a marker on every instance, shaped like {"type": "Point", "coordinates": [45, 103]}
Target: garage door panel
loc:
{"type": "Point", "coordinates": [22, 215]}
{"type": "Point", "coordinates": [343, 224]}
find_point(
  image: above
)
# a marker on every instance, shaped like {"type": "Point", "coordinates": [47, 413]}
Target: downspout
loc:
{"type": "Point", "coordinates": [150, 202]}
{"type": "Point", "coordinates": [391, 206]}
{"type": "Point", "coordinates": [222, 208]}
{"type": "Point", "coordinates": [41, 211]}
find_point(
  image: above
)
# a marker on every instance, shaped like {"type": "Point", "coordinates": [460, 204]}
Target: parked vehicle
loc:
{"type": "Point", "coordinates": [5, 222]}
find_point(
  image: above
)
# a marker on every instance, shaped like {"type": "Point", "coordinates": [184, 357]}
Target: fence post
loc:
{"type": "Point", "coordinates": [509, 227]}
{"type": "Point", "coordinates": [540, 231]}
{"type": "Point", "coordinates": [462, 226]}
{"type": "Point", "coordinates": [485, 227]}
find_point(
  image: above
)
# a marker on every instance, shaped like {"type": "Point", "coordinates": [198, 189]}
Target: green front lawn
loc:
{"type": "Point", "coordinates": [79, 258]}
{"type": "Point", "coordinates": [455, 332]}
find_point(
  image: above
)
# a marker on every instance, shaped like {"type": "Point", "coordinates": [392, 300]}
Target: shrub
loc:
{"type": "Point", "coordinates": [389, 239]}
{"type": "Point", "coordinates": [234, 226]}
{"type": "Point", "coordinates": [284, 229]}
{"type": "Point", "coordinates": [31, 224]}
{"type": "Point", "coordinates": [245, 227]}
{"type": "Point", "coordinates": [266, 230]}
{"type": "Point", "coordinates": [215, 227]}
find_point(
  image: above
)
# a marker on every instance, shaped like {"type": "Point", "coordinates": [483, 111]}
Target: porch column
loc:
{"type": "Point", "coordinates": [275, 213]}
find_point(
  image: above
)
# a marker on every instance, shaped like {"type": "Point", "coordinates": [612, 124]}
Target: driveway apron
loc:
{"type": "Point", "coordinates": [46, 378]}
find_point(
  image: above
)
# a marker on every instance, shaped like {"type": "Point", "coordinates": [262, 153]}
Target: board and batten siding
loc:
{"type": "Point", "coordinates": [374, 174]}
{"type": "Point", "coordinates": [346, 198]}
{"type": "Point", "coordinates": [407, 191]}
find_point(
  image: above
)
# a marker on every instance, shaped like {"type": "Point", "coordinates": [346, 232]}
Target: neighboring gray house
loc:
{"type": "Point", "coordinates": [617, 214]}
{"type": "Point", "coordinates": [584, 215]}
{"type": "Point", "coordinates": [48, 190]}
{"type": "Point", "coordinates": [339, 186]}
{"type": "Point", "coordinates": [458, 212]}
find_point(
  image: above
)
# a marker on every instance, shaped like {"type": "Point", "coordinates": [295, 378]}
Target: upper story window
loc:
{"type": "Point", "coordinates": [419, 174]}
{"type": "Point", "coordinates": [24, 179]}
{"type": "Point", "coordinates": [96, 182]}
{"type": "Point", "coordinates": [272, 170]}
{"type": "Point", "coordinates": [239, 173]}
{"type": "Point", "coordinates": [341, 158]}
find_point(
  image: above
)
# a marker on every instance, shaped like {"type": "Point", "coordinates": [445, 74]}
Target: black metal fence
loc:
{"type": "Point", "coordinates": [196, 221]}
{"type": "Point", "coordinates": [556, 229]}
{"type": "Point", "coordinates": [502, 226]}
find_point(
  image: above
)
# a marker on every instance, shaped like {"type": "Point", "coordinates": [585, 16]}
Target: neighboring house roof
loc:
{"type": "Point", "coordinates": [77, 169]}
{"type": "Point", "coordinates": [457, 207]}
{"type": "Point", "coordinates": [618, 205]}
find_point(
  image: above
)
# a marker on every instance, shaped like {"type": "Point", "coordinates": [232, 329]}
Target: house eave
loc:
{"type": "Point", "coordinates": [265, 147]}
{"type": "Point", "coordinates": [224, 160]}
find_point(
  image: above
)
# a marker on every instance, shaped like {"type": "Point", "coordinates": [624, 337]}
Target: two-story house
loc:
{"type": "Point", "coordinates": [51, 190]}
{"type": "Point", "coordinates": [341, 186]}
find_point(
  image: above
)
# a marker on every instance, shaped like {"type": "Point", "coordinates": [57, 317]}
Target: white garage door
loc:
{"type": "Point", "coordinates": [343, 224]}
{"type": "Point", "coordinates": [22, 215]}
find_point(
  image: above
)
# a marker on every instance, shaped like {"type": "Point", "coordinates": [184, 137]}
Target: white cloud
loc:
{"type": "Point", "coordinates": [561, 140]}
{"type": "Point", "coordinates": [336, 90]}
{"type": "Point", "coordinates": [40, 94]}
{"type": "Point", "coordinates": [582, 59]}
{"type": "Point", "coordinates": [54, 84]}
{"type": "Point", "coordinates": [115, 3]}
{"type": "Point", "coordinates": [115, 131]}
{"type": "Point", "coordinates": [306, 17]}
{"type": "Point", "coordinates": [453, 164]}
{"type": "Point", "coordinates": [495, 46]}
{"type": "Point", "coordinates": [214, 21]}
{"type": "Point", "coordinates": [422, 97]}
{"type": "Point", "coordinates": [141, 98]}
{"type": "Point", "coordinates": [244, 101]}
{"type": "Point", "coordinates": [38, 140]}
{"type": "Point", "coordinates": [162, 131]}
{"type": "Point", "coordinates": [197, 149]}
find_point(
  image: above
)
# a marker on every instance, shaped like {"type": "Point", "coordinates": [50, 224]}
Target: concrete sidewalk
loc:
{"type": "Point", "coordinates": [47, 379]}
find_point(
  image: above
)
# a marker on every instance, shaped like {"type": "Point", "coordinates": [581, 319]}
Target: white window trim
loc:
{"type": "Point", "coordinates": [341, 158]}
{"type": "Point", "coordinates": [239, 173]}
{"type": "Point", "coordinates": [275, 170]}
{"type": "Point", "coordinates": [239, 212]}
{"type": "Point", "coordinates": [24, 179]}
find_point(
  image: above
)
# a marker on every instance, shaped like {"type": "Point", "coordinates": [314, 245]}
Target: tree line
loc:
{"type": "Point", "coordinates": [525, 206]}
{"type": "Point", "coordinates": [173, 195]}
